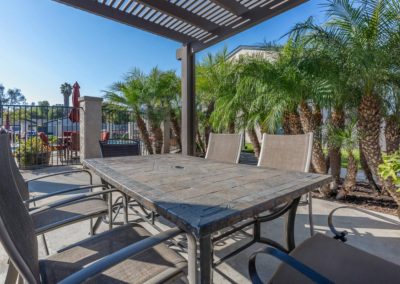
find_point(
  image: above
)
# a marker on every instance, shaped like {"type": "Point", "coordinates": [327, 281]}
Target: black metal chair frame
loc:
{"type": "Point", "coordinates": [282, 254]}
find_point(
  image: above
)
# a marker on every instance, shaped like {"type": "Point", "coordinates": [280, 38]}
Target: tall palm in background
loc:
{"type": "Point", "coordinates": [66, 91]}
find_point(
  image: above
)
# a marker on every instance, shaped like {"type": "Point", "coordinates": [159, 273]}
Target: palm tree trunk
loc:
{"type": "Point", "coordinates": [207, 127]}
{"type": "Point", "coordinates": [309, 124]}
{"type": "Point", "coordinates": [367, 171]}
{"type": "Point", "coordinates": [286, 123]}
{"type": "Point", "coordinates": [158, 138]}
{"type": "Point", "coordinates": [369, 128]}
{"type": "Point", "coordinates": [291, 123]}
{"type": "Point", "coordinates": [254, 141]}
{"type": "Point", "coordinates": [176, 127]}
{"type": "Point", "coordinates": [350, 179]}
{"type": "Point", "coordinates": [231, 127]}
{"type": "Point", "coordinates": [369, 125]}
{"type": "Point", "coordinates": [144, 134]}
{"type": "Point", "coordinates": [392, 134]}
{"type": "Point", "coordinates": [335, 157]}
{"type": "Point", "coordinates": [200, 142]}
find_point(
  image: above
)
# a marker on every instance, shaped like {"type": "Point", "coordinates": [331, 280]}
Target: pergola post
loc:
{"type": "Point", "coordinates": [188, 135]}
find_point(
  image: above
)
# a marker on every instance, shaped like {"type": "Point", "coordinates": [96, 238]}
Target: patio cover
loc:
{"type": "Point", "coordinates": [197, 24]}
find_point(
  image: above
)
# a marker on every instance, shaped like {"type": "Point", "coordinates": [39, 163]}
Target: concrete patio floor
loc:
{"type": "Point", "coordinates": [378, 233]}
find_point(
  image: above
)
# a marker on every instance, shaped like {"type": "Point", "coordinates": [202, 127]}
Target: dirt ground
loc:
{"type": "Point", "coordinates": [363, 196]}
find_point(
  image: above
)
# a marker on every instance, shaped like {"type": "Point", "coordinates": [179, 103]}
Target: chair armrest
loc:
{"type": "Point", "coordinates": [44, 196]}
{"type": "Point", "coordinates": [50, 206]}
{"type": "Point", "coordinates": [63, 173]}
{"type": "Point", "coordinates": [341, 235]}
{"type": "Point", "coordinates": [119, 256]}
{"type": "Point", "coordinates": [289, 260]}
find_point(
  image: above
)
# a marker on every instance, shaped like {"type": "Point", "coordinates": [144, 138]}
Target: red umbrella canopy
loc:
{"type": "Point", "coordinates": [74, 114]}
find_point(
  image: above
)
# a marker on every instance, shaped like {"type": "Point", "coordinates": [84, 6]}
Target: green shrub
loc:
{"type": "Point", "coordinates": [32, 152]}
{"type": "Point", "coordinates": [390, 168]}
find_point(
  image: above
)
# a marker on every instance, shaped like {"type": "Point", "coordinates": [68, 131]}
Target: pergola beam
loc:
{"type": "Point", "coordinates": [109, 12]}
{"type": "Point", "coordinates": [180, 13]}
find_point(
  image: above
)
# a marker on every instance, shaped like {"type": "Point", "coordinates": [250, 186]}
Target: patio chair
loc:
{"type": "Point", "coordinates": [128, 254]}
{"type": "Point", "coordinates": [60, 148]}
{"type": "Point", "coordinates": [120, 148]}
{"type": "Point", "coordinates": [61, 213]}
{"type": "Point", "coordinates": [321, 259]}
{"type": "Point", "coordinates": [73, 146]}
{"type": "Point", "coordinates": [289, 153]}
{"type": "Point", "coordinates": [105, 135]}
{"type": "Point", "coordinates": [224, 147]}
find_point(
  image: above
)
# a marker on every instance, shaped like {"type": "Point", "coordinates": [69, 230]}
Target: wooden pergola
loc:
{"type": "Point", "coordinates": [196, 24]}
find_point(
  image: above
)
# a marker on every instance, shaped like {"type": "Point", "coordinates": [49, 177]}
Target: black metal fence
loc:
{"type": "Point", "coordinates": [42, 135]}
{"type": "Point", "coordinates": [119, 127]}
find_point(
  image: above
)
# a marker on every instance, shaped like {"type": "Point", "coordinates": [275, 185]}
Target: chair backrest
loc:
{"type": "Point", "coordinates": [44, 138]}
{"type": "Point", "coordinates": [105, 135]}
{"type": "Point", "coordinates": [75, 143]}
{"type": "Point", "coordinates": [119, 148]}
{"type": "Point", "coordinates": [224, 147]}
{"type": "Point", "coordinates": [286, 152]}
{"type": "Point", "coordinates": [17, 232]}
{"type": "Point", "coordinates": [16, 174]}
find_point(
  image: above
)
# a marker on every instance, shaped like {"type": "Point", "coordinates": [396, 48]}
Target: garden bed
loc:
{"type": "Point", "coordinates": [364, 197]}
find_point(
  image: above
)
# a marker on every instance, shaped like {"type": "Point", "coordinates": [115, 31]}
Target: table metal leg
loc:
{"type": "Point", "coordinates": [192, 259]}
{"type": "Point", "coordinates": [290, 223]}
{"type": "Point", "coordinates": [206, 260]}
{"type": "Point", "coordinates": [310, 214]}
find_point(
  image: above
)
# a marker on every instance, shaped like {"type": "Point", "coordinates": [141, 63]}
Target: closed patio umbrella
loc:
{"type": "Point", "coordinates": [7, 125]}
{"type": "Point", "coordinates": [74, 114]}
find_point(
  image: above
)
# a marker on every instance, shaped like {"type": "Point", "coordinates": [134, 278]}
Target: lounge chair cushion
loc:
{"type": "Point", "coordinates": [154, 263]}
{"type": "Point", "coordinates": [71, 212]}
{"type": "Point", "coordinates": [339, 262]}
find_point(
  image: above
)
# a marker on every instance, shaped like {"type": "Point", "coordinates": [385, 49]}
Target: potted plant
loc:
{"type": "Point", "coordinates": [32, 153]}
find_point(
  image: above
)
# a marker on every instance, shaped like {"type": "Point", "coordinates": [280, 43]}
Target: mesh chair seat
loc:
{"type": "Point", "coordinates": [338, 262]}
{"type": "Point", "coordinates": [78, 210]}
{"type": "Point", "coordinates": [155, 265]}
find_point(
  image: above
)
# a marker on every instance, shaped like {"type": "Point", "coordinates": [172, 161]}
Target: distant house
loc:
{"type": "Point", "coordinates": [57, 127]}
{"type": "Point", "coordinates": [253, 50]}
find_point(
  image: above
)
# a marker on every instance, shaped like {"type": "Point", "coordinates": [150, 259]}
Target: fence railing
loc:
{"type": "Point", "coordinates": [42, 135]}
{"type": "Point", "coordinates": [119, 127]}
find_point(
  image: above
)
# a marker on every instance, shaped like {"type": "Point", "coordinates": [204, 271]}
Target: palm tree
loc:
{"type": "Point", "coordinates": [347, 139]}
{"type": "Point", "coordinates": [162, 98]}
{"type": "Point", "coordinates": [367, 35]}
{"type": "Point", "coordinates": [214, 81]}
{"type": "Point", "coordinates": [66, 91]}
{"type": "Point", "coordinates": [130, 93]}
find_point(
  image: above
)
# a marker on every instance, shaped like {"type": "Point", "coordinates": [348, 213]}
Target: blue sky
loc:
{"type": "Point", "coordinates": [44, 43]}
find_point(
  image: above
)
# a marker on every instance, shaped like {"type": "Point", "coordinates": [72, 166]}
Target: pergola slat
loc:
{"type": "Point", "coordinates": [256, 16]}
{"type": "Point", "coordinates": [180, 13]}
{"type": "Point", "coordinates": [100, 9]}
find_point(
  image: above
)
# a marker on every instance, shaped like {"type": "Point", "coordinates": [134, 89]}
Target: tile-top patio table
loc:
{"type": "Point", "coordinates": [202, 196]}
